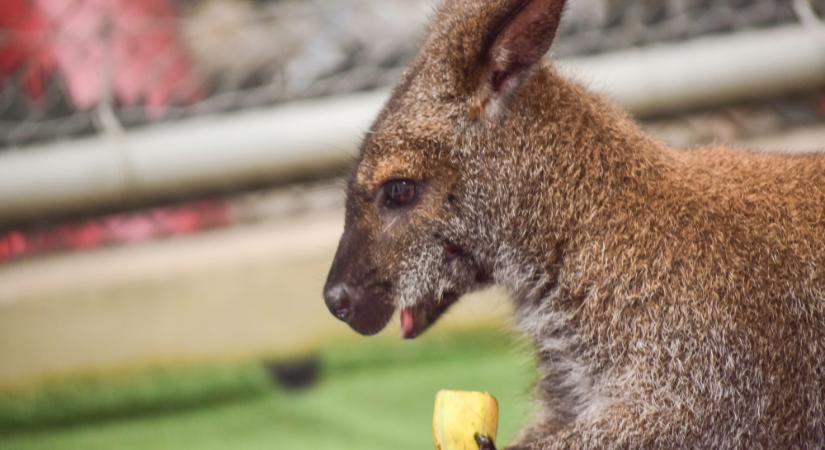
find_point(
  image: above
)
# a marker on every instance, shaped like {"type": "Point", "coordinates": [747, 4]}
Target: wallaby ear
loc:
{"type": "Point", "coordinates": [513, 46]}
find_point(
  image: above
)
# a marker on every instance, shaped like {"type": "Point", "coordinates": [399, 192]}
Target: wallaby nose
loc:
{"type": "Point", "coordinates": [338, 301]}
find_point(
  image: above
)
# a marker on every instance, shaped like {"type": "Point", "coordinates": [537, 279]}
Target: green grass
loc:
{"type": "Point", "coordinates": [377, 394]}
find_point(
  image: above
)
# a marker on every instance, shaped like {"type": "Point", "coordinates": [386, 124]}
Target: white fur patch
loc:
{"type": "Point", "coordinates": [539, 318]}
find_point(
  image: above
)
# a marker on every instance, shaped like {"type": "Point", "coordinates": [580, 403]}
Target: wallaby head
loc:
{"type": "Point", "coordinates": [447, 172]}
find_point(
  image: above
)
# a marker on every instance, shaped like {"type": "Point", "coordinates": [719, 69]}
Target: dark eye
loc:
{"type": "Point", "coordinates": [398, 193]}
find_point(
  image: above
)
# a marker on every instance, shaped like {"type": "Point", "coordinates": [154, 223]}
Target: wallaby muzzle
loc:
{"type": "Point", "coordinates": [354, 293]}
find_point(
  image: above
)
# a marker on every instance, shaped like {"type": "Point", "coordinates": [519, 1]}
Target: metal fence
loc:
{"type": "Point", "coordinates": [73, 67]}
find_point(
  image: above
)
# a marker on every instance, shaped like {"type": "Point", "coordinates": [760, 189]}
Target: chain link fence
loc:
{"type": "Point", "coordinates": [75, 67]}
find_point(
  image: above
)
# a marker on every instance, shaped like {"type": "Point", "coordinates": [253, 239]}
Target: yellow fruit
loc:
{"type": "Point", "coordinates": [459, 415]}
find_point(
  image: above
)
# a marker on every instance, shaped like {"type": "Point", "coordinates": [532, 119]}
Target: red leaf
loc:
{"type": "Point", "coordinates": [128, 48]}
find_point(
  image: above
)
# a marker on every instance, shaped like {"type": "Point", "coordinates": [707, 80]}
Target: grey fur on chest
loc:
{"type": "Point", "coordinates": [569, 386]}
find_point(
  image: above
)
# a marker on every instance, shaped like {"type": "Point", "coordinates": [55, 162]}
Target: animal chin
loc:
{"type": "Point", "coordinates": [416, 319]}
{"type": "Point", "coordinates": [371, 317]}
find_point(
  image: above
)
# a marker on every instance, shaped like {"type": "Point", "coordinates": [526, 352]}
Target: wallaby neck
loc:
{"type": "Point", "coordinates": [580, 130]}
{"type": "Point", "coordinates": [578, 158]}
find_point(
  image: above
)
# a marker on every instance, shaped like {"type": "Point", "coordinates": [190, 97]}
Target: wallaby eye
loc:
{"type": "Point", "coordinates": [399, 193]}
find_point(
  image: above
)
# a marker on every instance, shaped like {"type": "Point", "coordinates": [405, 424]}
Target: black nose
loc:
{"type": "Point", "coordinates": [338, 302]}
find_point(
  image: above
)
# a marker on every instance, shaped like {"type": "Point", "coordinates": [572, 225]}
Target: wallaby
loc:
{"type": "Point", "coordinates": [676, 299]}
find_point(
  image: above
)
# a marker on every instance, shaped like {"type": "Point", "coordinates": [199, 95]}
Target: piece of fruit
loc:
{"type": "Point", "coordinates": [459, 415]}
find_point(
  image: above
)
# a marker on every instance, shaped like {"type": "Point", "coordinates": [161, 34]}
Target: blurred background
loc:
{"type": "Point", "coordinates": [171, 196]}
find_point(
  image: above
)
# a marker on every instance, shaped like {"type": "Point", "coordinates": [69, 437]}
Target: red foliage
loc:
{"type": "Point", "coordinates": [23, 46]}
{"type": "Point", "coordinates": [129, 48]}
{"type": "Point", "coordinates": [115, 229]}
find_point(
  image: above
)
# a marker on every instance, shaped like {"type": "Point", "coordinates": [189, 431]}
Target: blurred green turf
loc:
{"type": "Point", "coordinates": [376, 394]}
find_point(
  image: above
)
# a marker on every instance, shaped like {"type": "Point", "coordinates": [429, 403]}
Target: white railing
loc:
{"type": "Point", "coordinates": [208, 153]}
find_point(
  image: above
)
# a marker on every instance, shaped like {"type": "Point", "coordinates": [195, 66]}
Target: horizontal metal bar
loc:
{"type": "Point", "coordinates": [209, 153]}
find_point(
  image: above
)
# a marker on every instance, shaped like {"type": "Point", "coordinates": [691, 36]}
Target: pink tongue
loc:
{"type": "Point", "coordinates": [407, 325]}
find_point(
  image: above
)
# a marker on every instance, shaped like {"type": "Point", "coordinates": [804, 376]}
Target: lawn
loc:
{"type": "Point", "coordinates": [372, 394]}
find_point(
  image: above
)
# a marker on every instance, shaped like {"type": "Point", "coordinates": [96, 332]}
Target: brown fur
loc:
{"type": "Point", "coordinates": [676, 299]}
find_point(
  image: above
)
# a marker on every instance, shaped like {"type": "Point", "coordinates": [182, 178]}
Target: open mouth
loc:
{"type": "Point", "coordinates": [415, 320]}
